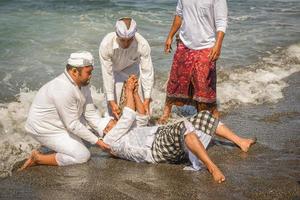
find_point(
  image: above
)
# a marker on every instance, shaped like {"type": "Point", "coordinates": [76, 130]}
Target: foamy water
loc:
{"type": "Point", "coordinates": [36, 37]}
{"type": "Point", "coordinates": [254, 84]}
{"type": "Point", "coordinates": [259, 83]}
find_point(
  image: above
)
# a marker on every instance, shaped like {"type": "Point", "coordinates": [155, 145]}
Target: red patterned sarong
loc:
{"type": "Point", "coordinates": [192, 69]}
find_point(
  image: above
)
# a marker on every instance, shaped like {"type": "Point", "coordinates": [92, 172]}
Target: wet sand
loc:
{"type": "Point", "coordinates": [271, 170]}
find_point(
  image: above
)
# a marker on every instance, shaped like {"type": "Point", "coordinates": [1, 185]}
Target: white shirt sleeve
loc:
{"type": "Point", "coordinates": [66, 105]}
{"type": "Point", "coordinates": [179, 8]}
{"type": "Point", "coordinates": [146, 68]}
{"type": "Point", "coordinates": [142, 120]}
{"type": "Point", "coordinates": [91, 114]}
{"type": "Point", "coordinates": [221, 15]}
{"type": "Point", "coordinates": [107, 71]}
{"type": "Point", "coordinates": [122, 127]}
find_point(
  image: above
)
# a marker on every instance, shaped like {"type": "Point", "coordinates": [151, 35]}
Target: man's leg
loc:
{"type": "Point", "coordinates": [204, 80]}
{"type": "Point", "coordinates": [167, 111]}
{"type": "Point", "coordinates": [243, 143]}
{"type": "Point", "coordinates": [207, 123]}
{"type": "Point", "coordinates": [195, 146]}
{"type": "Point", "coordinates": [37, 158]}
{"type": "Point", "coordinates": [69, 150]}
{"type": "Point", "coordinates": [179, 80]}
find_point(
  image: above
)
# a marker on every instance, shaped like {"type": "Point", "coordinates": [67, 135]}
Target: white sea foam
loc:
{"type": "Point", "coordinates": [240, 18]}
{"type": "Point", "coordinates": [256, 84]}
{"type": "Point", "coordinates": [14, 143]}
{"type": "Point", "coordinates": [259, 83]}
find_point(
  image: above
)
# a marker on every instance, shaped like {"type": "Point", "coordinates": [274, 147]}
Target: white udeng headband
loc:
{"type": "Point", "coordinates": [81, 59]}
{"type": "Point", "coordinates": [122, 31]}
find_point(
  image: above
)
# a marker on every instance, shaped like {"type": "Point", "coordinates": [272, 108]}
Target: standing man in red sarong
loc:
{"type": "Point", "coordinates": [202, 25]}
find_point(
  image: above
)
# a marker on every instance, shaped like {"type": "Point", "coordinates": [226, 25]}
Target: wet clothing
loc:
{"type": "Point", "coordinates": [69, 148]}
{"type": "Point", "coordinates": [132, 140]}
{"type": "Point", "coordinates": [169, 146]}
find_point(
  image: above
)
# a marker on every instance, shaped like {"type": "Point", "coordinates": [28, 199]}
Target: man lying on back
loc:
{"type": "Point", "coordinates": [130, 138]}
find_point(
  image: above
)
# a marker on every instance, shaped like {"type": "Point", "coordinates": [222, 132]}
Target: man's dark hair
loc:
{"type": "Point", "coordinates": [70, 67]}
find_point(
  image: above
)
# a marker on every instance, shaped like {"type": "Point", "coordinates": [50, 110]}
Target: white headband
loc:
{"type": "Point", "coordinates": [122, 31]}
{"type": "Point", "coordinates": [81, 59]}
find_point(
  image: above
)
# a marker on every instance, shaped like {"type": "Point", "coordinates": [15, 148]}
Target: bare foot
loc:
{"type": "Point", "coordinates": [247, 143]}
{"type": "Point", "coordinates": [163, 119]}
{"type": "Point", "coordinates": [217, 174]}
{"type": "Point", "coordinates": [31, 161]}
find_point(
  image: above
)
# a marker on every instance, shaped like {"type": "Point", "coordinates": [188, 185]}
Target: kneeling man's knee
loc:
{"type": "Point", "coordinates": [82, 156]}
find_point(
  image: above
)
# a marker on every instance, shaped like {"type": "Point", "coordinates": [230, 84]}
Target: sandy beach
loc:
{"type": "Point", "coordinates": [263, 173]}
{"type": "Point", "coordinates": [258, 93]}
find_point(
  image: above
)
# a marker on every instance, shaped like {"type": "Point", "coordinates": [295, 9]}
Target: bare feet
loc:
{"type": "Point", "coordinates": [31, 161]}
{"type": "Point", "coordinates": [217, 174]}
{"type": "Point", "coordinates": [247, 143]}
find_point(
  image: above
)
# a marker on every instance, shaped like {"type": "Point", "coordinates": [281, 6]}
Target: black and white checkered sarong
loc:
{"type": "Point", "coordinates": [168, 145]}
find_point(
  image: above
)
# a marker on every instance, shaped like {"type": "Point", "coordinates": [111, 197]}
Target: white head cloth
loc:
{"type": "Point", "coordinates": [122, 31]}
{"type": "Point", "coordinates": [104, 122]}
{"type": "Point", "coordinates": [81, 59]}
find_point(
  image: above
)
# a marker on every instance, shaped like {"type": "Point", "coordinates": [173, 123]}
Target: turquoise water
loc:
{"type": "Point", "coordinates": [36, 37]}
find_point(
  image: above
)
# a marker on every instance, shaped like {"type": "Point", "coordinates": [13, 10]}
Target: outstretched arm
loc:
{"type": "Point", "coordinates": [175, 26]}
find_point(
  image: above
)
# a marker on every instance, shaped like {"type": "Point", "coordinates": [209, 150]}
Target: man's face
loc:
{"type": "Point", "coordinates": [124, 42]}
{"type": "Point", "coordinates": [85, 75]}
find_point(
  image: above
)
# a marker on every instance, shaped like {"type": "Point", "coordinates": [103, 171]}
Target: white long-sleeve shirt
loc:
{"type": "Point", "coordinates": [61, 107]}
{"type": "Point", "coordinates": [133, 142]}
{"type": "Point", "coordinates": [115, 60]}
{"type": "Point", "coordinates": [201, 20]}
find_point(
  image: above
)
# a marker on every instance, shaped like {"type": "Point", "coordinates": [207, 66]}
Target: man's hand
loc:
{"type": "Point", "coordinates": [115, 109]}
{"type": "Point", "coordinates": [214, 53]}
{"type": "Point", "coordinates": [147, 105]}
{"type": "Point", "coordinates": [168, 45]}
{"type": "Point", "coordinates": [103, 146]}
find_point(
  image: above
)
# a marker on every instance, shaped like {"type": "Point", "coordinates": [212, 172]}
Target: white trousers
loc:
{"type": "Point", "coordinates": [69, 148]}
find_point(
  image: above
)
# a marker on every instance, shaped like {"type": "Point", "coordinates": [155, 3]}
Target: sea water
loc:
{"type": "Point", "coordinates": [260, 49]}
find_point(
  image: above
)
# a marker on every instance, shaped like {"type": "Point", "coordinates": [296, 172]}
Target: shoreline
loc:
{"type": "Point", "coordinates": [269, 171]}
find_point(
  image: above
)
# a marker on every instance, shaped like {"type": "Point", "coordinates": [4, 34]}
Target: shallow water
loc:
{"type": "Point", "coordinates": [261, 48]}
{"type": "Point", "coordinates": [36, 37]}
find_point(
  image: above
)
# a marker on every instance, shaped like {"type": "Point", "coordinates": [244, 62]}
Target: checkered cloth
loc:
{"type": "Point", "coordinates": [168, 146]}
{"type": "Point", "coordinates": [205, 122]}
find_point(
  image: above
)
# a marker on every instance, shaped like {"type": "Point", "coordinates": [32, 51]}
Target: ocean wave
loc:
{"type": "Point", "coordinates": [15, 144]}
{"type": "Point", "coordinates": [240, 18]}
{"type": "Point", "coordinates": [259, 83]}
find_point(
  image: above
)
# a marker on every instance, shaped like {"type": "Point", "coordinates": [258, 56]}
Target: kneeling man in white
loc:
{"type": "Point", "coordinates": [60, 112]}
